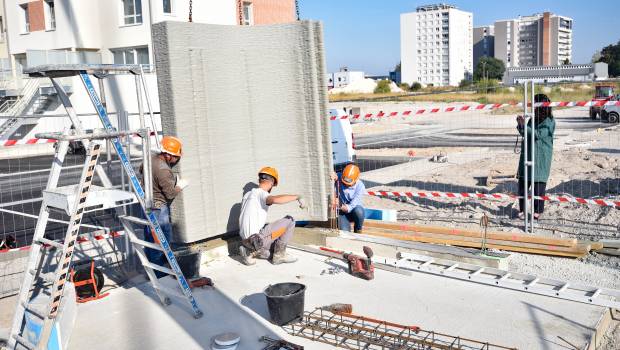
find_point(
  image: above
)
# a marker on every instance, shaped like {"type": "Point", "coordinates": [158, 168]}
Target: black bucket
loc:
{"type": "Point", "coordinates": [189, 262]}
{"type": "Point", "coordinates": [285, 302]}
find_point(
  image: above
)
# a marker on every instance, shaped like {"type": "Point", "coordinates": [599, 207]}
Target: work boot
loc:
{"type": "Point", "coordinates": [280, 256]}
{"type": "Point", "coordinates": [262, 254]}
{"type": "Point", "coordinates": [246, 256]}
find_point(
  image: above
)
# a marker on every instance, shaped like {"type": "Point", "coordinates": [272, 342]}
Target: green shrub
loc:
{"type": "Point", "coordinates": [383, 87]}
{"type": "Point", "coordinates": [416, 86]}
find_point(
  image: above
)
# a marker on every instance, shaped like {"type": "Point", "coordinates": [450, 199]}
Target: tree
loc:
{"type": "Point", "coordinates": [566, 62]}
{"type": "Point", "coordinates": [611, 55]}
{"type": "Point", "coordinates": [416, 86]}
{"type": "Point", "coordinates": [383, 87]}
{"type": "Point", "coordinates": [404, 86]}
{"type": "Point", "coordinates": [397, 67]}
{"type": "Point", "coordinates": [489, 68]}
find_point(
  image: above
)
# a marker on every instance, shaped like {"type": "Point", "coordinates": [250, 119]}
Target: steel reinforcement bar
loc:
{"type": "Point", "coordinates": [349, 331]}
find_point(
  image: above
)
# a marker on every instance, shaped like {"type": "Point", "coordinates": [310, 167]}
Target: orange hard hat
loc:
{"type": "Point", "coordinates": [271, 172]}
{"type": "Point", "coordinates": [350, 174]}
{"type": "Point", "coordinates": [171, 145]}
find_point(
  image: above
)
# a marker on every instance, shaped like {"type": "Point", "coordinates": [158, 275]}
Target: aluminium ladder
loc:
{"type": "Point", "coordinates": [140, 195]}
{"type": "Point", "coordinates": [151, 221]}
{"type": "Point", "coordinates": [35, 261]}
{"type": "Point", "coordinates": [509, 280]}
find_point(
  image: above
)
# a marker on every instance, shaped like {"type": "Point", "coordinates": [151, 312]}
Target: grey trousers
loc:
{"type": "Point", "coordinates": [279, 230]}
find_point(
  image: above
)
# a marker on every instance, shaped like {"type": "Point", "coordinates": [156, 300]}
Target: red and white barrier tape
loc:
{"type": "Point", "coordinates": [8, 143]}
{"type": "Point", "coordinates": [97, 236]}
{"type": "Point", "coordinates": [465, 108]}
{"type": "Point", "coordinates": [498, 196]}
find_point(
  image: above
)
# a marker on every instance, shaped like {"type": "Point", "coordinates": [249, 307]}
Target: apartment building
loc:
{"type": "Point", "coordinates": [117, 31]}
{"type": "Point", "coordinates": [5, 67]}
{"type": "Point", "coordinates": [484, 42]}
{"type": "Point", "coordinates": [537, 40]}
{"type": "Point", "coordinates": [436, 45]}
{"type": "Point", "coordinates": [102, 31]}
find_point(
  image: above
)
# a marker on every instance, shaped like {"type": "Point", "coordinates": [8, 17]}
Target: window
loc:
{"type": "Point", "coordinates": [25, 18]}
{"type": "Point", "coordinates": [50, 15]}
{"type": "Point", "coordinates": [167, 6]}
{"type": "Point", "coordinates": [133, 55]}
{"type": "Point", "coordinates": [1, 29]}
{"type": "Point", "coordinates": [132, 11]}
{"type": "Point", "coordinates": [248, 14]}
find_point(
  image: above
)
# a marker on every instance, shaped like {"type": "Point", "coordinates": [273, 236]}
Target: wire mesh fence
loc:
{"type": "Point", "coordinates": [449, 163]}
{"type": "Point", "coordinates": [23, 178]}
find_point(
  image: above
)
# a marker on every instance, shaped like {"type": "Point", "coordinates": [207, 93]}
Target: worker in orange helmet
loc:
{"type": "Point", "coordinates": [166, 186]}
{"type": "Point", "coordinates": [259, 238]}
{"type": "Point", "coordinates": [347, 198]}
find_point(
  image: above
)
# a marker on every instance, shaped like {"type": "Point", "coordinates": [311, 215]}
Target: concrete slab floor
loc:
{"type": "Point", "coordinates": [133, 318]}
{"type": "Point", "coordinates": [458, 308]}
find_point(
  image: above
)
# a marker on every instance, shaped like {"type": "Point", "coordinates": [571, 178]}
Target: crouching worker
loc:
{"type": "Point", "coordinates": [166, 186]}
{"type": "Point", "coordinates": [258, 237]}
{"type": "Point", "coordinates": [348, 198]}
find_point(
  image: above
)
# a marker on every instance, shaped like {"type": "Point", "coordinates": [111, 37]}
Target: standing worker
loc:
{"type": "Point", "coordinates": [166, 186]}
{"type": "Point", "coordinates": [543, 148]}
{"type": "Point", "coordinates": [348, 198]}
{"type": "Point", "coordinates": [258, 237]}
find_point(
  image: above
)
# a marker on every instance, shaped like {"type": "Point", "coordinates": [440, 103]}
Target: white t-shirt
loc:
{"type": "Point", "coordinates": [253, 212]}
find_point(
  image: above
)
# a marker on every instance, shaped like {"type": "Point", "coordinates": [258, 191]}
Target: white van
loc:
{"type": "Point", "coordinates": [343, 141]}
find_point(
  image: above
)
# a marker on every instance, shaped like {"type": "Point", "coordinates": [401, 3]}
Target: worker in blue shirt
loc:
{"type": "Point", "coordinates": [347, 199]}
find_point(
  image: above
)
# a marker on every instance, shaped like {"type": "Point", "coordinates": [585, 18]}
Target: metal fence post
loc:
{"type": "Point", "coordinates": [533, 161]}
{"type": "Point", "coordinates": [525, 170]}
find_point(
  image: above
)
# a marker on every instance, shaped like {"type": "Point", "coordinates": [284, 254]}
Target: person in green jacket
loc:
{"type": "Point", "coordinates": [543, 136]}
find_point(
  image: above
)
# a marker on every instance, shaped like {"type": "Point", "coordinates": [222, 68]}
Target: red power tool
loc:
{"type": "Point", "coordinates": [359, 266]}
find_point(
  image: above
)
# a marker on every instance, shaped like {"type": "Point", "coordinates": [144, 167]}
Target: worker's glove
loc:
{"type": "Point", "coordinates": [182, 183]}
{"type": "Point", "coordinates": [302, 202]}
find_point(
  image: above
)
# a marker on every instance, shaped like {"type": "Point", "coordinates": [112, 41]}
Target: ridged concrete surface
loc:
{"type": "Point", "coordinates": [240, 98]}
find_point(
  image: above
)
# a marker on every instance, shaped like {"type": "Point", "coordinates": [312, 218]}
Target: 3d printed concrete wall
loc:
{"type": "Point", "coordinates": [240, 98]}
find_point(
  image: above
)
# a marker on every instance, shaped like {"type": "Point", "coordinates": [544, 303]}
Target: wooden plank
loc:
{"type": "Point", "coordinates": [405, 237]}
{"type": "Point", "coordinates": [553, 248]}
{"type": "Point", "coordinates": [564, 242]}
{"type": "Point", "coordinates": [594, 245]}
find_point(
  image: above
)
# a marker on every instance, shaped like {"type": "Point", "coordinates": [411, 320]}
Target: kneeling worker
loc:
{"type": "Point", "coordinates": [257, 236]}
{"type": "Point", "coordinates": [348, 198]}
{"type": "Point", "coordinates": [166, 187]}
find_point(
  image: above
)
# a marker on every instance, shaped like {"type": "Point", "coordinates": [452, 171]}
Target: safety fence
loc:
{"type": "Point", "coordinates": [24, 171]}
{"type": "Point", "coordinates": [453, 163]}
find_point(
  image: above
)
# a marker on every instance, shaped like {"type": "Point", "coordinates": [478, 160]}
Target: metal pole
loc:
{"type": "Point", "coordinates": [533, 161]}
{"type": "Point", "coordinates": [146, 152]}
{"type": "Point", "coordinates": [108, 144]}
{"type": "Point", "coordinates": [525, 149]}
{"type": "Point", "coordinates": [150, 107]}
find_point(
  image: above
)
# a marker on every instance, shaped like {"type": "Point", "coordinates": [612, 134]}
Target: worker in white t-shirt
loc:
{"type": "Point", "coordinates": [257, 236]}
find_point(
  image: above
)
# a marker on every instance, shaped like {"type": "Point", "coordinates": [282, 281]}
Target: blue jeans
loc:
{"type": "Point", "coordinates": [356, 216]}
{"type": "Point", "coordinates": [155, 256]}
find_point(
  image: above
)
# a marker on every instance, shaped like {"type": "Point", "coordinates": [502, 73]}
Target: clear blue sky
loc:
{"type": "Point", "coordinates": [365, 34]}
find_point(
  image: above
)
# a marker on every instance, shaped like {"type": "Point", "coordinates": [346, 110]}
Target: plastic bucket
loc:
{"type": "Point", "coordinates": [189, 262]}
{"type": "Point", "coordinates": [285, 302]}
